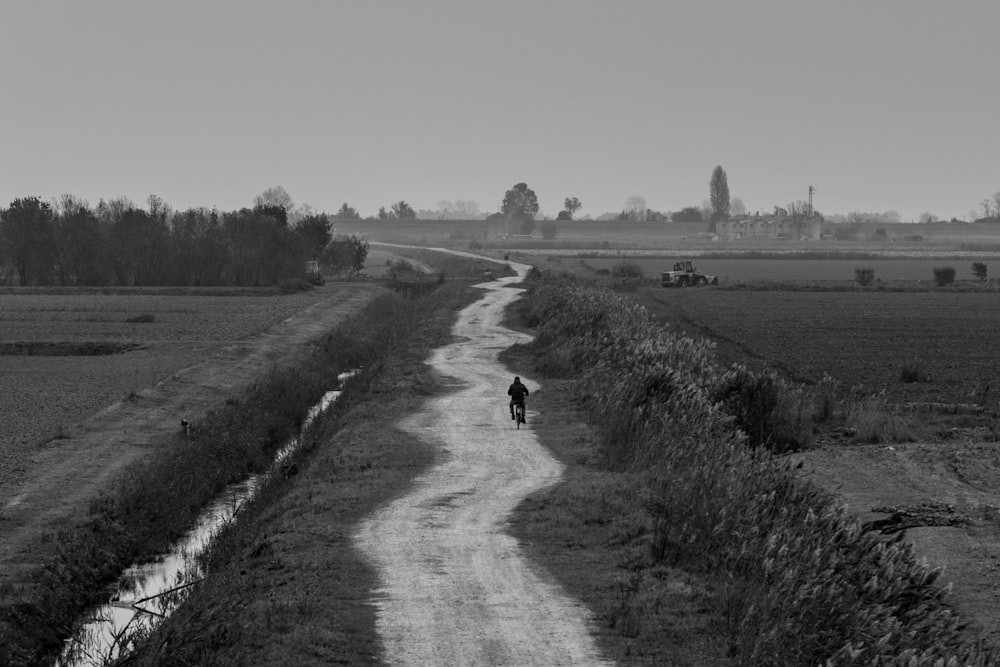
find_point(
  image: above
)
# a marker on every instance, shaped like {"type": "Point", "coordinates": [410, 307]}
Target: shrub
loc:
{"type": "Point", "coordinates": [549, 230]}
{"type": "Point", "coordinates": [627, 270]}
{"type": "Point", "coordinates": [864, 276]}
{"type": "Point", "coordinates": [772, 413]}
{"type": "Point", "coordinates": [825, 403]}
{"type": "Point", "coordinates": [944, 275]}
{"type": "Point", "coordinates": [979, 271]}
{"type": "Point", "coordinates": [626, 276]}
{"type": "Point", "coordinates": [144, 318]}
{"type": "Point", "coordinates": [804, 583]}
{"type": "Point", "coordinates": [873, 420]}
{"type": "Point", "coordinates": [911, 371]}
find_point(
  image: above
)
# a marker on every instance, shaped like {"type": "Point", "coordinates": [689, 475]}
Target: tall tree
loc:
{"type": "Point", "coordinates": [314, 233]}
{"type": "Point", "coordinates": [635, 208]}
{"type": "Point", "coordinates": [403, 211]}
{"type": "Point", "coordinates": [81, 254]}
{"type": "Point", "coordinates": [800, 213]}
{"type": "Point", "coordinates": [571, 205]}
{"type": "Point", "coordinates": [718, 190]}
{"type": "Point", "coordinates": [27, 240]}
{"type": "Point", "coordinates": [347, 212]}
{"type": "Point", "coordinates": [520, 202]}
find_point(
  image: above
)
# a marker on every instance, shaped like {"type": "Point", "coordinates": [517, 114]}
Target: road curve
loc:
{"type": "Point", "coordinates": [455, 588]}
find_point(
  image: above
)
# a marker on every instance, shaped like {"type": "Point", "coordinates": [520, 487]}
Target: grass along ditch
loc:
{"type": "Point", "coordinates": [285, 584]}
{"type": "Point", "coordinates": [154, 503]}
{"type": "Point", "coordinates": [148, 592]}
{"type": "Point", "coordinates": [697, 510]}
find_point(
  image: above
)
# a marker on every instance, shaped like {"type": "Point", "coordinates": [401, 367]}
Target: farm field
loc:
{"type": "Point", "coordinates": [42, 396]}
{"type": "Point", "coordinates": [859, 338]}
{"type": "Point", "coordinates": [738, 270]}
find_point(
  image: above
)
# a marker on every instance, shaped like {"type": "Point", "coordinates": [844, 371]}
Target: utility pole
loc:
{"type": "Point", "coordinates": [812, 190]}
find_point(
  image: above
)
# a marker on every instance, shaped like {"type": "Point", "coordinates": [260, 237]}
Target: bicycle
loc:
{"type": "Point", "coordinates": [519, 414]}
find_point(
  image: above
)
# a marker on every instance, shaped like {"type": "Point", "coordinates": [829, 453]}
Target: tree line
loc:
{"type": "Point", "coordinates": [69, 242]}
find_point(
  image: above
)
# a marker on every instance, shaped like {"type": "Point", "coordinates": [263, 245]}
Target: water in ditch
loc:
{"type": "Point", "coordinates": [146, 594]}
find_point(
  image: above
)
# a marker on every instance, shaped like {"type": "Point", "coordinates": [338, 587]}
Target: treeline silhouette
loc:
{"type": "Point", "coordinates": [68, 242]}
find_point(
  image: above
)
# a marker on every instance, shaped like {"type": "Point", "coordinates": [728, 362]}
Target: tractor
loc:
{"type": "Point", "coordinates": [685, 275]}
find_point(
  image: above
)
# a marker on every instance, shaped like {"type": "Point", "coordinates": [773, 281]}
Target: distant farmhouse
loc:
{"type": "Point", "coordinates": [780, 225]}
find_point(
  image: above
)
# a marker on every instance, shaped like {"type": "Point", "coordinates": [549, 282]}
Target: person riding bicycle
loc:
{"type": "Point", "coordinates": [517, 392]}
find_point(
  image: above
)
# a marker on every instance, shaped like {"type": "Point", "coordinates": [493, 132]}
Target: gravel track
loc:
{"type": "Point", "coordinates": [456, 589]}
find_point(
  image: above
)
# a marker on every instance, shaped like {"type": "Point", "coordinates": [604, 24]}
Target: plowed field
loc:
{"type": "Point", "coordinates": [860, 338]}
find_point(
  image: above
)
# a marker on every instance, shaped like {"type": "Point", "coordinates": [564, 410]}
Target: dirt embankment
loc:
{"type": "Point", "coordinates": [63, 475]}
{"type": "Point", "coordinates": [946, 496]}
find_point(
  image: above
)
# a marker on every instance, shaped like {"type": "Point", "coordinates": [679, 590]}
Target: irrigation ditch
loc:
{"type": "Point", "coordinates": [147, 593]}
{"type": "Point", "coordinates": [154, 504]}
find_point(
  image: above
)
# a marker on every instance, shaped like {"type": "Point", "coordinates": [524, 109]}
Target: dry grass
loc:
{"type": "Point", "coordinates": [287, 587]}
{"type": "Point", "coordinates": [586, 533]}
{"type": "Point", "coordinates": [800, 582]}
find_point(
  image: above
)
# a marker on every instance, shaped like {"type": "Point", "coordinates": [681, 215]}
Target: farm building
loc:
{"type": "Point", "coordinates": [769, 227]}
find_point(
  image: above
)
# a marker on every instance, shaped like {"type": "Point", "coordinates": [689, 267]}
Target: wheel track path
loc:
{"type": "Point", "coordinates": [455, 587]}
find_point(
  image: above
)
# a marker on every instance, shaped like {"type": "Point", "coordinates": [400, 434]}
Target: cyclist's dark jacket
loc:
{"type": "Point", "coordinates": [517, 392]}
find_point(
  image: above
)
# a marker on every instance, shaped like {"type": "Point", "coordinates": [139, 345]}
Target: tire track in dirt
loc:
{"type": "Point", "coordinates": [456, 589]}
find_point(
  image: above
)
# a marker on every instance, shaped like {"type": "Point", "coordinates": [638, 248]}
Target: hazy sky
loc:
{"type": "Point", "coordinates": [878, 104]}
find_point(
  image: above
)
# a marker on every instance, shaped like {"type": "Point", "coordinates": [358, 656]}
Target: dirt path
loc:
{"type": "Point", "coordinates": [456, 589]}
{"type": "Point", "coordinates": [66, 474]}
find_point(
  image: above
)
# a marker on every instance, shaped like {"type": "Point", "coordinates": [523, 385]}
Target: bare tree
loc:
{"type": "Point", "coordinates": [276, 196]}
{"type": "Point", "coordinates": [460, 209]}
{"type": "Point", "coordinates": [635, 207]}
{"type": "Point", "coordinates": [571, 205]}
{"type": "Point", "coordinates": [987, 205]}
{"type": "Point", "coordinates": [800, 214]}
{"type": "Point", "coordinates": [736, 207]}
{"type": "Point", "coordinates": [996, 203]}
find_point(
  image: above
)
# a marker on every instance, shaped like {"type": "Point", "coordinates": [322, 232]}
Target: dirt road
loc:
{"type": "Point", "coordinates": [456, 589]}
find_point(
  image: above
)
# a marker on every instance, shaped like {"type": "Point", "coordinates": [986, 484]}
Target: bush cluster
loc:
{"type": "Point", "coordinates": [864, 276]}
{"type": "Point", "coordinates": [801, 582]}
{"type": "Point", "coordinates": [979, 270]}
{"type": "Point", "coordinates": [944, 275]}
